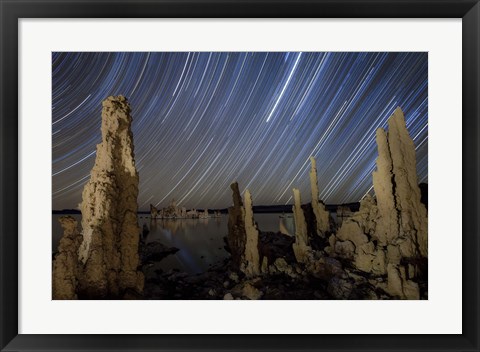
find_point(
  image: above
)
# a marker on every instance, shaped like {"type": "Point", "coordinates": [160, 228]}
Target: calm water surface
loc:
{"type": "Point", "coordinates": [200, 240]}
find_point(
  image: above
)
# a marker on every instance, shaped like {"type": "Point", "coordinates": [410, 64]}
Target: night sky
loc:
{"type": "Point", "coordinates": [204, 120]}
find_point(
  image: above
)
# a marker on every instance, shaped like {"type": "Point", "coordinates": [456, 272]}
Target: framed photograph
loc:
{"type": "Point", "coordinates": [224, 175]}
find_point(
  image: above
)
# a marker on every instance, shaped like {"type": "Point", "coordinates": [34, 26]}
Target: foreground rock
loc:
{"type": "Point", "coordinates": [65, 265]}
{"type": "Point", "coordinates": [155, 251]}
{"type": "Point", "coordinates": [109, 251]}
{"type": "Point", "coordinates": [389, 236]}
{"type": "Point", "coordinates": [322, 216]}
{"type": "Point", "coordinates": [287, 281]}
{"type": "Point", "coordinates": [237, 236]}
{"type": "Point", "coordinates": [301, 248]}
{"type": "Point", "coordinates": [252, 257]}
{"type": "Point", "coordinates": [397, 164]}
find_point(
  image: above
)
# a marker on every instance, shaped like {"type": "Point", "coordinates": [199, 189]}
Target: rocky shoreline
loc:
{"type": "Point", "coordinates": [333, 278]}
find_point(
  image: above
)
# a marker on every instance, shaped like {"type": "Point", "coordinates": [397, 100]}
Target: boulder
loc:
{"type": "Point", "coordinates": [251, 292]}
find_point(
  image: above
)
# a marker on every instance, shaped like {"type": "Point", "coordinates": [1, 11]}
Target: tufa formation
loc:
{"type": "Point", "coordinates": [322, 216]}
{"type": "Point", "coordinates": [65, 265]}
{"type": "Point", "coordinates": [252, 257]}
{"type": "Point", "coordinates": [109, 251]}
{"type": "Point", "coordinates": [237, 236]}
{"type": "Point", "coordinates": [243, 236]}
{"type": "Point", "coordinates": [389, 236]}
{"type": "Point", "coordinates": [301, 246]}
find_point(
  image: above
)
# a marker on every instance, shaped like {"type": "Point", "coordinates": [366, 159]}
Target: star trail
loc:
{"type": "Point", "coordinates": [202, 120]}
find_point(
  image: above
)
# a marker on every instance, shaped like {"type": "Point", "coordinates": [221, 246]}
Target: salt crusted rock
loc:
{"type": "Point", "coordinates": [322, 216]}
{"type": "Point", "coordinates": [252, 257]}
{"type": "Point", "coordinates": [398, 284]}
{"type": "Point", "coordinates": [109, 251]}
{"type": "Point", "coordinates": [413, 214]}
{"type": "Point", "coordinates": [301, 246]}
{"type": "Point", "coordinates": [243, 234]}
{"type": "Point", "coordinates": [402, 217]}
{"type": "Point", "coordinates": [394, 228]}
{"type": "Point", "coordinates": [237, 236]}
{"type": "Point", "coordinates": [65, 264]}
{"type": "Point", "coordinates": [355, 230]}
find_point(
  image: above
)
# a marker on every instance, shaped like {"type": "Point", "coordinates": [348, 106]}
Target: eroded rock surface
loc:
{"type": "Point", "coordinates": [389, 235]}
{"type": "Point", "coordinates": [65, 264]}
{"type": "Point", "coordinates": [109, 251]}
{"type": "Point", "coordinates": [301, 246]}
{"type": "Point", "coordinates": [322, 216]}
{"type": "Point", "coordinates": [237, 236]}
{"type": "Point", "coordinates": [252, 257]}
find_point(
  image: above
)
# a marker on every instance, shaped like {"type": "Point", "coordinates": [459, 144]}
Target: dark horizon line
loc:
{"type": "Point", "coordinates": [256, 208]}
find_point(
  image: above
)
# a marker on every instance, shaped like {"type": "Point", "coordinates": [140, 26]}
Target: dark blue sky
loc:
{"type": "Point", "coordinates": [204, 120]}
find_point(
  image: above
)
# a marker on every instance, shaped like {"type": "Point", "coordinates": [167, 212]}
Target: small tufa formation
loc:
{"type": "Point", "coordinates": [322, 216]}
{"type": "Point", "coordinates": [237, 236]}
{"type": "Point", "coordinates": [153, 212]}
{"type": "Point", "coordinates": [243, 235]}
{"type": "Point", "coordinates": [66, 265]}
{"type": "Point", "coordinates": [109, 251]}
{"type": "Point", "coordinates": [301, 246]}
{"type": "Point", "coordinates": [252, 257]}
{"type": "Point", "coordinates": [204, 215]}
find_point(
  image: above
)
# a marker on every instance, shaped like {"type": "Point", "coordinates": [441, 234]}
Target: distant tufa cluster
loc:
{"type": "Point", "coordinates": [175, 212]}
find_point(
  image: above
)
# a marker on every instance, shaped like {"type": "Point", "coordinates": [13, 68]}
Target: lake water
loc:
{"type": "Point", "coordinates": [200, 240]}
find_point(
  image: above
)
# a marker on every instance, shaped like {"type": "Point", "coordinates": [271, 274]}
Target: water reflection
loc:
{"type": "Point", "coordinates": [200, 241]}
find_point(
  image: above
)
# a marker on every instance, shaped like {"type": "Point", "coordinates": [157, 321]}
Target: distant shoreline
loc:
{"type": "Point", "coordinates": [259, 209]}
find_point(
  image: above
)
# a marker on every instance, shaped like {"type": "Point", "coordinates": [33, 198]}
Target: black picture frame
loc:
{"type": "Point", "coordinates": [12, 10]}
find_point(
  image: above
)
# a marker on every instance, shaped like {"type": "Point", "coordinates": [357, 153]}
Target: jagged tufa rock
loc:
{"type": "Point", "coordinates": [402, 219]}
{"type": "Point", "coordinates": [252, 257]}
{"type": "Point", "coordinates": [322, 216]}
{"type": "Point", "coordinates": [412, 214]}
{"type": "Point", "coordinates": [352, 238]}
{"type": "Point", "coordinates": [391, 233]}
{"type": "Point", "coordinates": [109, 251]}
{"type": "Point", "coordinates": [301, 246]}
{"type": "Point", "coordinates": [65, 264]}
{"type": "Point", "coordinates": [237, 236]}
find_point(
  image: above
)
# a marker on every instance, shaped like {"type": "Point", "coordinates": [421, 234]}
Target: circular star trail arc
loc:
{"type": "Point", "coordinates": [202, 120]}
